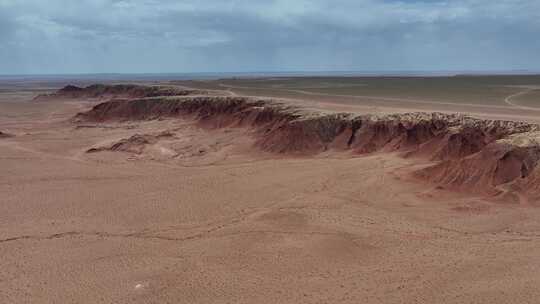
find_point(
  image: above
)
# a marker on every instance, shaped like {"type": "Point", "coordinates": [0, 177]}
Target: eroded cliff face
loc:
{"type": "Point", "coordinates": [511, 159]}
{"type": "Point", "coordinates": [118, 91]}
{"type": "Point", "coordinates": [464, 153]}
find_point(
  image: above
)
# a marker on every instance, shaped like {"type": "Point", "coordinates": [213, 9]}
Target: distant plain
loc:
{"type": "Point", "coordinates": [496, 96]}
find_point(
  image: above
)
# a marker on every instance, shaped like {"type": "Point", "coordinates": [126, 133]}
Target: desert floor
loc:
{"type": "Point", "coordinates": [503, 97]}
{"type": "Point", "coordinates": [202, 217]}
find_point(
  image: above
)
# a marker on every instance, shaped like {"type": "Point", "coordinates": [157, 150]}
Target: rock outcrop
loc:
{"type": "Point", "coordinates": [134, 144]}
{"type": "Point", "coordinates": [130, 91]}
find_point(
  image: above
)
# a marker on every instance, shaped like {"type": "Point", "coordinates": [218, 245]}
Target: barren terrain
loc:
{"type": "Point", "coordinates": [295, 191]}
{"type": "Point", "coordinates": [481, 96]}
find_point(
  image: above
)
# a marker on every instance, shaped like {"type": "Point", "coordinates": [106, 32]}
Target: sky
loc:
{"type": "Point", "coordinates": [187, 36]}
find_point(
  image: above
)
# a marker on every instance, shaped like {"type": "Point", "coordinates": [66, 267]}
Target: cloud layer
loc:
{"type": "Point", "coordinates": [97, 36]}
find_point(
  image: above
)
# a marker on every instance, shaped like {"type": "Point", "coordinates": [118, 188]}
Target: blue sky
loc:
{"type": "Point", "coordinates": [152, 36]}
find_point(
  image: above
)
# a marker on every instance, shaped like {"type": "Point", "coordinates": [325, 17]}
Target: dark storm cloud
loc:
{"type": "Point", "coordinates": [61, 36]}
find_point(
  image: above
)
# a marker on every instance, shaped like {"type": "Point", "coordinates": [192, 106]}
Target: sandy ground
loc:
{"type": "Point", "coordinates": [200, 217]}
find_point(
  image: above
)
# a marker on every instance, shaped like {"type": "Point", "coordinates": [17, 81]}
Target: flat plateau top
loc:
{"type": "Point", "coordinates": [174, 211]}
{"type": "Point", "coordinates": [495, 97]}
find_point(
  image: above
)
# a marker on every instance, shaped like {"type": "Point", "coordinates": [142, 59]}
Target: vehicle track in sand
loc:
{"type": "Point", "coordinates": [509, 99]}
{"type": "Point", "coordinates": [378, 98]}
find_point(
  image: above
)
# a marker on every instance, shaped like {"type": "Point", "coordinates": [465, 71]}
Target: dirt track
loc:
{"type": "Point", "coordinates": [510, 99]}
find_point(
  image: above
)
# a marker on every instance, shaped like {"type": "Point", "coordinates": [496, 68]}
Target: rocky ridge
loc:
{"type": "Point", "coordinates": [103, 91]}
{"type": "Point", "coordinates": [465, 153]}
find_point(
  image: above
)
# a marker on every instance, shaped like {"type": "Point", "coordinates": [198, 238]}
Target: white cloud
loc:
{"type": "Point", "coordinates": [151, 35]}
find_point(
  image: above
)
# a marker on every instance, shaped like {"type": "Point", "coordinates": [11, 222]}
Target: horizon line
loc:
{"type": "Point", "coordinates": [297, 72]}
